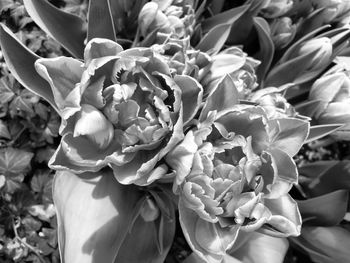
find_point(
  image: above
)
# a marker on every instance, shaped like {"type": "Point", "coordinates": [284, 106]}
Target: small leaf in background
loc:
{"type": "Point", "coordinates": [13, 164]}
{"type": "Point", "coordinates": [14, 161]}
{"type": "Point", "coordinates": [4, 132]}
{"type": "Point", "coordinates": [6, 94]}
{"type": "Point", "coordinates": [41, 184]}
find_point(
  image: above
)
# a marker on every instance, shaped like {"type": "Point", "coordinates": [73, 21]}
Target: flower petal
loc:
{"type": "Point", "coordinates": [63, 75]}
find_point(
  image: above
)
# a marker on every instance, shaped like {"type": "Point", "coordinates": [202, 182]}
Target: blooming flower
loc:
{"type": "Point", "coordinates": [233, 172]}
{"type": "Point", "coordinates": [119, 108]}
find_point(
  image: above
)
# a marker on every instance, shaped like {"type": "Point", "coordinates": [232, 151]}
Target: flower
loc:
{"type": "Point", "coordinates": [273, 102]}
{"type": "Point", "coordinates": [234, 62]}
{"type": "Point", "coordinates": [282, 31]}
{"type": "Point", "coordinates": [119, 108]}
{"type": "Point", "coordinates": [233, 173]}
{"type": "Point", "coordinates": [303, 61]}
{"type": "Point", "coordinates": [276, 8]}
{"type": "Point", "coordinates": [175, 17]}
{"type": "Point", "coordinates": [332, 90]}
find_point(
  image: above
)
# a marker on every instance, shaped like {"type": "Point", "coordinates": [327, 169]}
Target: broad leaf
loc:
{"type": "Point", "coordinates": [324, 210]}
{"type": "Point", "coordinates": [156, 237]}
{"type": "Point", "coordinates": [67, 29]}
{"type": "Point", "coordinates": [261, 248]}
{"type": "Point", "coordinates": [100, 20]}
{"type": "Point", "coordinates": [319, 131]}
{"type": "Point", "coordinates": [94, 214]}
{"type": "Point", "coordinates": [20, 61]}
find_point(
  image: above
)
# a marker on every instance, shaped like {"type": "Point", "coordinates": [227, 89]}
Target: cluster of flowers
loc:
{"type": "Point", "coordinates": [169, 112]}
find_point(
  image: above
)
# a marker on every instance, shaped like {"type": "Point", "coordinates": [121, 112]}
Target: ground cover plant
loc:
{"type": "Point", "coordinates": [174, 131]}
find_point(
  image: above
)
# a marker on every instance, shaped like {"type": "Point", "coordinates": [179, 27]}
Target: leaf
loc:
{"type": "Point", "coordinates": [223, 98]}
{"type": "Point", "coordinates": [324, 210]}
{"type": "Point", "coordinates": [319, 131]}
{"type": "Point", "coordinates": [214, 40]}
{"type": "Point", "coordinates": [194, 258]}
{"type": "Point", "coordinates": [226, 17]}
{"type": "Point", "coordinates": [20, 61]}
{"type": "Point", "coordinates": [290, 136]}
{"type": "Point", "coordinates": [161, 230]}
{"type": "Point", "coordinates": [261, 248]}
{"type": "Point", "coordinates": [290, 71]}
{"type": "Point", "coordinates": [325, 176]}
{"type": "Point", "coordinates": [67, 29]}
{"type": "Point", "coordinates": [94, 213]}
{"type": "Point", "coordinates": [267, 48]}
{"type": "Point", "coordinates": [309, 108]}
{"type": "Point", "coordinates": [100, 20]}
{"type": "Point", "coordinates": [14, 161]}
{"type": "Point", "coordinates": [325, 244]}
{"type": "Point", "coordinates": [191, 94]}
{"type": "Point", "coordinates": [4, 131]}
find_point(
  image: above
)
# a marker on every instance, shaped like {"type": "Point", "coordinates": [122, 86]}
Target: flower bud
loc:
{"type": "Point", "coordinates": [324, 48]}
{"type": "Point", "coordinates": [149, 211]}
{"type": "Point", "coordinates": [334, 93]}
{"type": "Point", "coordinates": [282, 31]}
{"type": "Point", "coordinates": [276, 8]}
{"type": "Point", "coordinates": [92, 123]}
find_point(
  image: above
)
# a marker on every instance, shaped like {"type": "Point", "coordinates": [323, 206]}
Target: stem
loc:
{"type": "Point", "coordinates": [30, 247]}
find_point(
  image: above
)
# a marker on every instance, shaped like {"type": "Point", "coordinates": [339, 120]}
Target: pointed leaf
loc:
{"type": "Point", "coordinates": [326, 176]}
{"type": "Point", "coordinates": [291, 135]}
{"type": "Point", "coordinates": [325, 244]}
{"type": "Point", "coordinates": [191, 94]}
{"type": "Point", "coordinates": [309, 108]}
{"type": "Point", "coordinates": [67, 29]}
{"type": "Point", "coordinates": [223, 98]}
{"type": "Point", "coordinates": [100, 20]}
{"type": "Point", "coordinates": [223, 18]}
{"type": "Point", "coordinates": [267, 48]}
{"type": "Point", "coordinates": [94, 213]}
{"type": "Point", "coordinates": [20, 61]}
{"type": "Point", "coordinates": [325, 210]}
{"type": "Point", "coordinates": [319, 131]}
{"type": "Point", "coordinates": [214, 40]}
